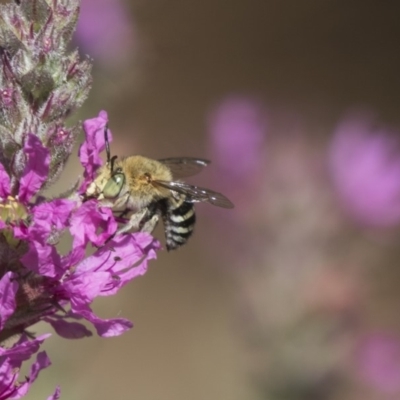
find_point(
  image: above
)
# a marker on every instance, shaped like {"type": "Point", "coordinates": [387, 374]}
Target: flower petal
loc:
{"type": "Point", "coordinates": [84, 288]}
{"type": "Point", "coordinates": [4, 183]}
{"type": "Point", "coordinates": [24, 348]}
{"type": "Point", "coordinates": [42, 362]}
{"type": "Point", "coordinates": [9, 376]}
{"type": "Point", "coordinates": [36, 170]}
{"type": "Point", "coordinates": [10, 363]}
{"type": "Point", "coordinates": [106, 327]}
{"type": "Point", "coordinates": [43, 259]}
{"type": "Point", "coordinates": [88, 220]}
{"type": "Point", "coordinates": [56, 394]}
{"type": "Point", "coordinates": [94, 144]}
{"type": "Point", "coordinates": [50, 216]}
{"type": "Point", "coordinates": [69, 330]}
{"type": "Point", "coordinates": [124, 258]}
{"type": "Point", "coordinates": [8, 291]}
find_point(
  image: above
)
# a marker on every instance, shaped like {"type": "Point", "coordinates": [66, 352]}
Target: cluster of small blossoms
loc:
{"type": "Point", "coordinates": [40, 85]}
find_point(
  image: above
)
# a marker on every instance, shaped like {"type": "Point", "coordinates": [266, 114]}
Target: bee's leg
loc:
{"type": "Point", "coordinates": [133, 223]}
{"type": "Point", "coordinates": [123, 213]}
{"type": "Point", "coordinates": [150, 224]}
{"type": "Point", "coordinates": [150, 220]}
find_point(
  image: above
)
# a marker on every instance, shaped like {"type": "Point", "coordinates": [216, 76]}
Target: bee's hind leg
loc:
{"type": "Point", "coordinates": [133, 222]}
{"type": "Point", "coordinates": [150, 220]}
{"type": "Point", "coordinates": [150, 224]}
{"type": "Point", "coordinates": [143, 221]}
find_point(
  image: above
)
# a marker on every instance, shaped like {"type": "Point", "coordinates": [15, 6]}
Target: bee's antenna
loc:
{"type": "Point", "coordinates": [110, 160]}
{"type": "Point", "coordinates": [107, 144]}
{"type": "Point", "coordinates": [113, 158]}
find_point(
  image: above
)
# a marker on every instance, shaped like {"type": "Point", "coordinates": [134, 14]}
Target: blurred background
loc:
{"type": "Point", "coordinates": [293, 294]}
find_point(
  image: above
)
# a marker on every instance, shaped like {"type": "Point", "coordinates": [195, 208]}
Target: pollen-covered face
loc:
{"type": "Point", "coordinates": [96, 187]}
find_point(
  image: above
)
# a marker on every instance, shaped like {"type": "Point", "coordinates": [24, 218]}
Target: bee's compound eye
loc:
{"type": "Point", "coordinates": [114, 186]}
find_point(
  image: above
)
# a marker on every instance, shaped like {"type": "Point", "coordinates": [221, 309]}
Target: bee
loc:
{"type": "Point", "coordinates": [145, 190]}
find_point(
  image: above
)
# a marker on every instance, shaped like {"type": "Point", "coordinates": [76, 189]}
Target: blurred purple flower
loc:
{"type": "Point", "coordinates": [379, 362]}
{"type": "Point", "coordinates": [237, 130]}
{"type": "Point", "coordinates": [364, 164]}
{"type": "Point", "coordinates": [105, 30]}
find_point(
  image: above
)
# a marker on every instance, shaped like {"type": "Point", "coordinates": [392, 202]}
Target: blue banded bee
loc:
{"type": "Point", "coordinates": [144, 190]}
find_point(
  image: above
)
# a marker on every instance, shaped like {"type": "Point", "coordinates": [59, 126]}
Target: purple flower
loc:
{"type": "Point", "coordinates": [110, 41]}
{"type": "Point", "coordinates": [103, 274]}
{"type": "Point", "coordinates": [379, 362]}
{"type": "Point", "coordinates": [364, 164]}
{"type": "Point", "coordinates": [72, 280]}
{"type": "Point", "coordinates": [55, 288]}
{"type": "Point", "coordinates": [41, 84]}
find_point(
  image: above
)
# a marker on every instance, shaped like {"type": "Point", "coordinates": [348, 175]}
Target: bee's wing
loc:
{"type": "Point", "coordinates": [196, 194]}
{"type": "Point", "coordinates": [182, 167]}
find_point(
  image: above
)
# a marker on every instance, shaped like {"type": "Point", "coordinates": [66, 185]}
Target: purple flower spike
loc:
{"type": "Point", "coordinates": [54, 282]}
{"type": "Point", "coordinates": [42, 84]}
{"type": "Point", "coordinates": [365, 170]}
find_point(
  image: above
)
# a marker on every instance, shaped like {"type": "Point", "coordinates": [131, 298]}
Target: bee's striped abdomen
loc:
{"type": "Point", "coordinates": [179, 220]}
